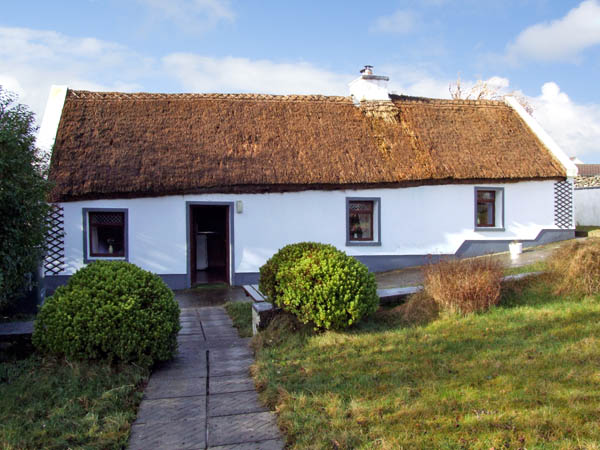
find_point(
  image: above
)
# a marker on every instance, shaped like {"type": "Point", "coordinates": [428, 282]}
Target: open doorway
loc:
{"type": "Point", "coordinates": [209, 244]}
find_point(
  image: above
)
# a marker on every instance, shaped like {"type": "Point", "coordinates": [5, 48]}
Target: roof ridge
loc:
{"type": "Point", "coordinates": [443, 101]}
{"type": "Point", "coordinates": [94, 95]}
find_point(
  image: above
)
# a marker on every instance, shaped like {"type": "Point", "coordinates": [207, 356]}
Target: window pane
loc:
{"type": "Point", "coordinates": [361, 220]}
{"type": "Point", "coordinates": [115, 218]}
{"type": "Point", "coordinates": [486, 195]}
{"type": "Point", "coordinates": [107, 234]}
{"type": "Point", "coordinates": [485, 214]}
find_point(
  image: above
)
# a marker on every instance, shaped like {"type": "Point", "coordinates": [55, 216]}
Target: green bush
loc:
{"type": "Point", "coordinates": [326, 287]}
{"type": "Point", "coordinates": [110, 310]}
{"type": "Point", "coordinates": [23, 207]}
{"type": "Point", "coordinates": [289, 254]}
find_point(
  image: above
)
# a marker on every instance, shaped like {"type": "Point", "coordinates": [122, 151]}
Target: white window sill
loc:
{"type": "Point", "coordinates": [363, 243]}
{"type": "Point", "coordinates": [490, 229]}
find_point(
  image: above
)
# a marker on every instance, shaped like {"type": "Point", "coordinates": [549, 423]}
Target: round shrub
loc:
{"type": "Point", "coordinates": [289, 254]}
{"type": "Point", "coordinates": [327, 288]}
{"type": "Point", "coordinates": [575, 267]}
{"type": "Point", "coordinates": [110, 310]}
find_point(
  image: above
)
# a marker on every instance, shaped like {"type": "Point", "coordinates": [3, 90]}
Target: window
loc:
{"type": "Point", "coordinates": [489, 209]}
{"type": "Point", "coordinates": [362, 221]}
{"type": "Point", "coordinates": [105, 233]}
{"type": "Point", "coordinates": [486, 214]}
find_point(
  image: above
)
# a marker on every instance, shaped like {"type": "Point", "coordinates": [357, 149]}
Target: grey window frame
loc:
{"type": "Point", "coordinates": [87, 258]}
{"type": "Point", "coordinates": [500, 190]}
{"type": "Point", "coordinates": [376, 210]}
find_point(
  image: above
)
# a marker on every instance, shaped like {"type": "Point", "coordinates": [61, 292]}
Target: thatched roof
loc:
{"type": "Point", "coordinates": [583, 182]}
{"type": "Point", "coordinates": [133, 145]}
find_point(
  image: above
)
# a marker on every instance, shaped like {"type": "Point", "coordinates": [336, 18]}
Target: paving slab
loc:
{"type": "Point", "coordinates": [271, 444]}
{"type": "Point", "coordinates": [231, 403]}
{"type": "Point", "coordinates": [231, 353]}
{"type": "Point", "coordinates": [176, 387]}
{"type": "Point", "coordinates": [166, 410]}
{"type": "Point", "coordinates": [225, 367]}
{"type": "Point", "coordinates": [233, 383]}
{"type": "Point", "coordinates": [180, 435]}
{"type": "Point", "coordinates": [220, 333]}
{"type": "Point", "coordinates": [216, 323]}
{"type": "Point", "coordinates": [242, 428]}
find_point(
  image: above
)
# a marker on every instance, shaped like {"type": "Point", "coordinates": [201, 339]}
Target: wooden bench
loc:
{"type": "Point", "coordinates": [252, 291]}
{"type": "Point", "coordinates": [16, 330]}
{"type": "Point", "coordinates": [396, 294]}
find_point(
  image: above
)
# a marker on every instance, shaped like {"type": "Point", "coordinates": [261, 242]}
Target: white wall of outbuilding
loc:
{"type": "Point", "coordinates": [587, 206]}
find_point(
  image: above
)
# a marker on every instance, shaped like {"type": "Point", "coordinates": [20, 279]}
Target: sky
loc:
{"type": "Point", "coordinates": [548, 51]}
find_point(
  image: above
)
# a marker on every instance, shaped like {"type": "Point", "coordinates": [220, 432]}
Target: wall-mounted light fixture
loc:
{"type": "Point", "coordinates": [239, 207]}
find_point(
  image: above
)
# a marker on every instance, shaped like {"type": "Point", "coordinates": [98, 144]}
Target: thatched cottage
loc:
{"type": "Point", "coordinates": [206, 187]}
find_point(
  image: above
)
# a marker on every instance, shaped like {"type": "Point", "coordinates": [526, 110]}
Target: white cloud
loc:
{"type": "Point", "coordinates": [560, 40]}
{"type": "Point", "coordinates": [32, 60]}
{"type": "Point", "coordinates": [400, 21]}
{"type": "Point", "coordinates": [574, 127]}
{"type": "Point", "coordinates": [193, 16]}
{"type": "Point", "coordinates": [205, 74]}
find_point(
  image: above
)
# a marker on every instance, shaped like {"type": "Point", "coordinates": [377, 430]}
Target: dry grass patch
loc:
{"type": "Point", "coordinates": [464, 285]}
{"type": "Point", "coordinates": [418, 309]}
{"type": "Point", "coordinates": [576, 267]}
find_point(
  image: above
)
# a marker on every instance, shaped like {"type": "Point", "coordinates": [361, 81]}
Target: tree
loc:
{"type": "Point", "coordinates": [484, 90]}
{"type": "Point", "coordinates": [23, 189]}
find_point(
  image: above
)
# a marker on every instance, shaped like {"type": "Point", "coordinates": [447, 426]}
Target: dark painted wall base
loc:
{"type": "Point", "coordinates": [383, 263]}
{"type": "Point", "coordinates": [375, 263]}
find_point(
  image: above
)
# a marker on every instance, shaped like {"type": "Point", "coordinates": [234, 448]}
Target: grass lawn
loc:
{"type": "Point", "coordinates": [587, 227]}
{"type": "Point", "coordinates": [538, 266]}
{"type": "Point", "coordinates": [241, 315]}
{"type": "Point", "coordinates": [524, 375]}
{"type": "Point", "coordinates": [49, 403]}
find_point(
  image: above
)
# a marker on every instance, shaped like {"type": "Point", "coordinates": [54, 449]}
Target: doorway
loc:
{"type": "Point", "coordinates": [209, 244]}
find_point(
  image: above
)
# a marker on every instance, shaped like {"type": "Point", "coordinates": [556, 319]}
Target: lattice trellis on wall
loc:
{"type": "Point", "coordinates": [563, 204]}
{"type": "Point", "coordinates": [54, 262]}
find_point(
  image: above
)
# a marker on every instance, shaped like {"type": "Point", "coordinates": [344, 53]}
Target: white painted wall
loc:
{"type": "Point", "coordinates": [587, 206]}
{"type": "Point", "coordinates": [52, 113]}
{"type": "Point", "coordinates": [415, 221]}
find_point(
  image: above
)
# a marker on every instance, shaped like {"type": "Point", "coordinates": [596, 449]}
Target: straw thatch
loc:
{"type": "Point", "coordinates": [587, 182]}
{"type": "Point", "coordinates": [133, 145]}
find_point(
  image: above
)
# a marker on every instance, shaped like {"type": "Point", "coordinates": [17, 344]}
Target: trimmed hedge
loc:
{"type": "Point", "coordinates": [322, 285]}
{"type": "Point", "coordinates": [110, 310]}
{"type": "Point", "coordinates": [268, 284]}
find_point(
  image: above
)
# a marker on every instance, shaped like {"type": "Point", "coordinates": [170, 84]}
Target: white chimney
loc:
{"type": "Point", "coordinates": [369, 86]}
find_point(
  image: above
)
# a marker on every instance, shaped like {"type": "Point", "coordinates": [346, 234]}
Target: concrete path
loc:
{"type": "Point", "coordinates": [413, 276]}
{"type": "Point", "coordinates": [205, 398]}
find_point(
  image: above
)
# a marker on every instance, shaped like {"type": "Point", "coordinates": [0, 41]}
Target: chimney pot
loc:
{"type": "Point", "coordinates": [369, 87]}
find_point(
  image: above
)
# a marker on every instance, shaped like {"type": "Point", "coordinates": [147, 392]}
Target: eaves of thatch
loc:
{"type": "Point", "coordinates": [115, 145]}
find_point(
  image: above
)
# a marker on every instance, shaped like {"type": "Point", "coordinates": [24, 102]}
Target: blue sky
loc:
{"type": "Point", "coordinates": [546, 50]}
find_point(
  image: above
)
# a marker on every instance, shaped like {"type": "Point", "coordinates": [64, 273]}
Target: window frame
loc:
{"type": "Point", "coordinates": [87, 255]}
{"type": "Point", "coordinates": [375, 226]}
{"type": "Point", "coordinates": [497, 205]}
